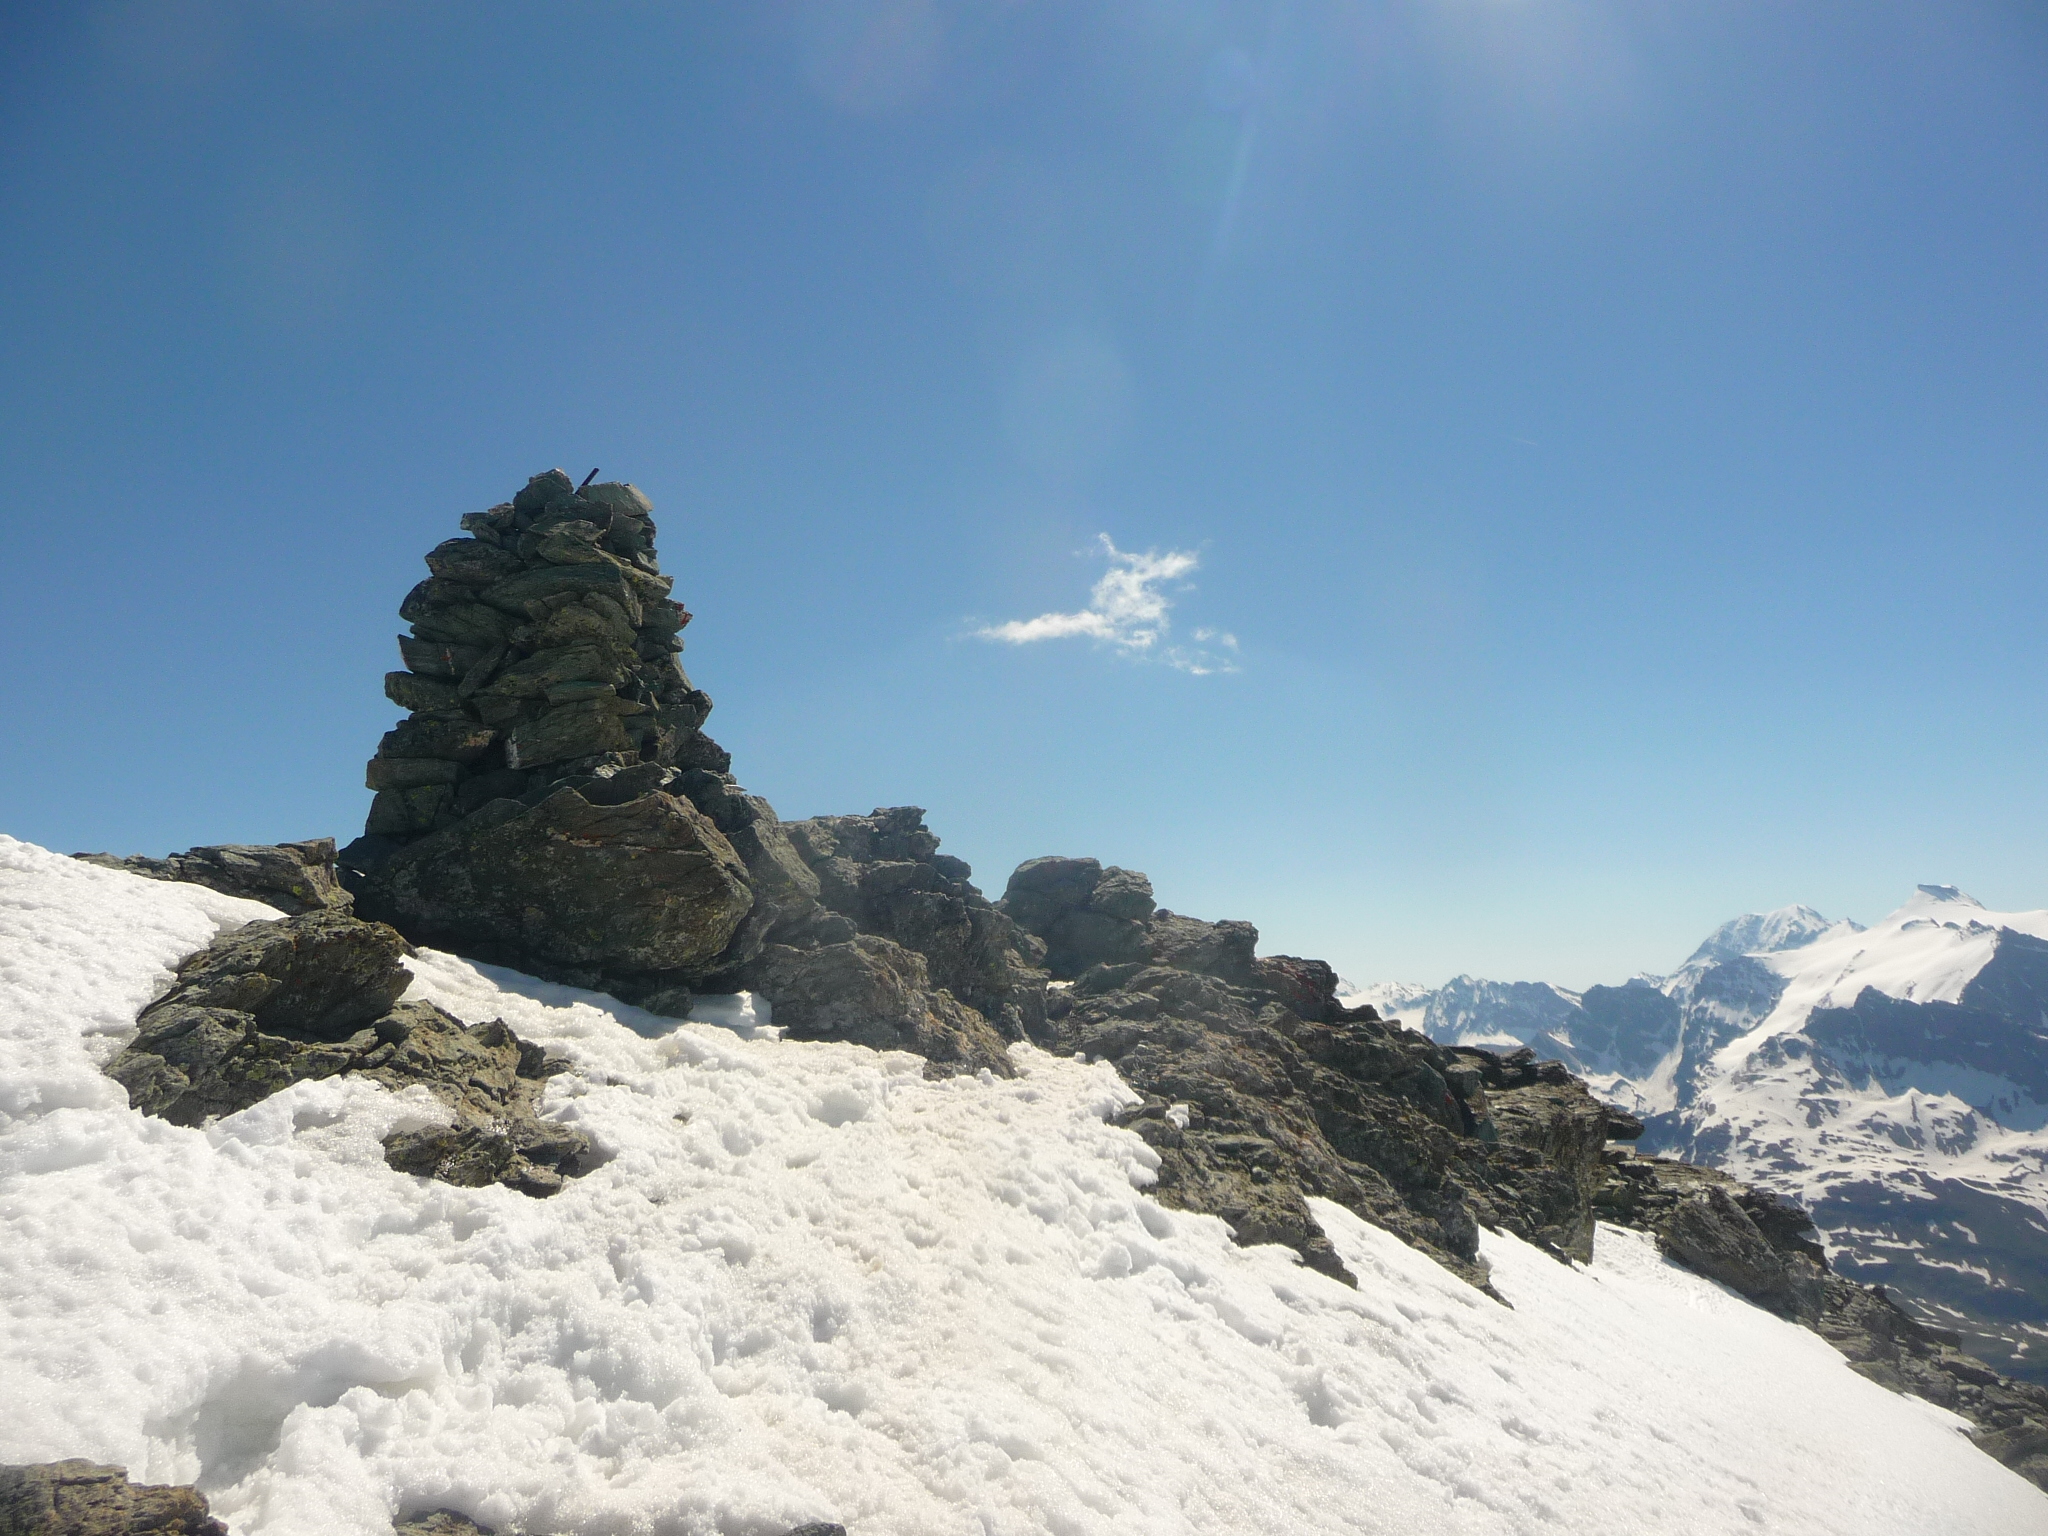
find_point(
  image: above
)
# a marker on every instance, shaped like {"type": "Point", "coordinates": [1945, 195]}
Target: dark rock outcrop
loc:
{"type": "Point", "coordinates": [1261, 1091]}
{"type": "Point", "coordinates": [884, 875]}
{"type": "Point", "coordinates": [78, 1498]}
{"type": "Point", "coordinates": [1769, 1251]}
{"type": "Point", "coordinates": [441, 1522]}
{"type": "Point", "coordinates": [1084, 914]}
{"type": "Point", "coordinates": [320, 976]}
{"type": "Point", "coordinates": [873, 992]}
{"type": "Point", "coordinates": [293, 877]}
{"type": "Point", "coordinates": [316, 995]}
{"type": "Point", "coordinates": [1712, 1235]}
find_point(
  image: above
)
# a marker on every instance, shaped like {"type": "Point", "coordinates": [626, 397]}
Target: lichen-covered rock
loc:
{"type": "Point", "coordinates": [315, 996]}
{"type": "Point", "coordinates": [318, 976]}
{"type": "Point", "coordinates": [492, 1081]}
{"type": "Point", "coordinates": [293, 877]}
{"type": "Point", "coordinates": [79, 1498]}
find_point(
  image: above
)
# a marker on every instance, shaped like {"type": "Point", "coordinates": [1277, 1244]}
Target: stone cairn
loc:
{"type": "Point", "coordinates": [543, 649]}
{"type": "Point", "coordinates": [531, 809]}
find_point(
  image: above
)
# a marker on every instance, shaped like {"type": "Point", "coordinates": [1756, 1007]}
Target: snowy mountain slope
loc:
{"type": "Point", "coordinates": [1898, 1088]}
{"type": "Point", "coordinates": [808, 1283]}
{"type": "Point", "coordinates": [1756, 933]}
{"type": "Point", "coordinates": [1928, 951]}
{"type": "Point", "coordinates": [1892, 1080]}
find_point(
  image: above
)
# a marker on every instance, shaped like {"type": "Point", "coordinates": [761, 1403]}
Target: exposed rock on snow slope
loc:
{"type": "Point", "coordinates": [1892, 1080]}
{"type": "Point", "coordinates": [317, 995]}
{"type": "Point", "coordinates": [552, 802]}
{"type": "Point", "coordinates": [808, 1282]}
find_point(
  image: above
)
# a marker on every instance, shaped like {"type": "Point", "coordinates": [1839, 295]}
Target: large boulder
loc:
{"type": "Point", "coordinates": [321, 975]}
{"type": "Point", "coordinates": [569, 889]}
{"type": "Point", "coordinates": [882, 874]}
{"type": "Point", "coordinates": [1084, 914]}
{"type": "Point", "coordinates": [1712, 1235]}
{"type": "Point", "coordinates": [872, 991]}
{"type": "Point", "coordinates": [1225, 950]}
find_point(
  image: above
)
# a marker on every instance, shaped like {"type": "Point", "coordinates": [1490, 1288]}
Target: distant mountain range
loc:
{"type": "Point", "coordinates": [1893, 1080]}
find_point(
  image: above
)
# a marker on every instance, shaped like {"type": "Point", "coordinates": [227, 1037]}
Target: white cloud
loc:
{"type": "Point", "coordinates": [1127, 609]}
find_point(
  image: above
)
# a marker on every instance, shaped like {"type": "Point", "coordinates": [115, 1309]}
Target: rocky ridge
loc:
{"type": "Point", "coordinates": [1261, 1091]}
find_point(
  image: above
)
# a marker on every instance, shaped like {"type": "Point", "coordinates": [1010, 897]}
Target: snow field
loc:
{"type": "Point", "coordinates": [805, 1283]}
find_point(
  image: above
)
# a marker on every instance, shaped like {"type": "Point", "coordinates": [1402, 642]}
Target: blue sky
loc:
{"type": "Point", "coordinates": [1580, 467]}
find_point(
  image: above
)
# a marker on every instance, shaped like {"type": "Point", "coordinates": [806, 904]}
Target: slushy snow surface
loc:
{"type": "Point", "coordinates": [808, 1284]}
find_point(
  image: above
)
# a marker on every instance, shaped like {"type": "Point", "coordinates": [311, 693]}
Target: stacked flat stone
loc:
{"type": "Point", "coordinates": [543, 649]}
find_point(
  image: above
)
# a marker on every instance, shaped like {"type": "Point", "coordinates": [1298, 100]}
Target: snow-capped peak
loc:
{"type": "Point", "coordinates": [1758, 933]}
{"type": "Point", "coordinates": [1927, 951]}
{"type": "Point", "coordinates": [1927, 897]}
